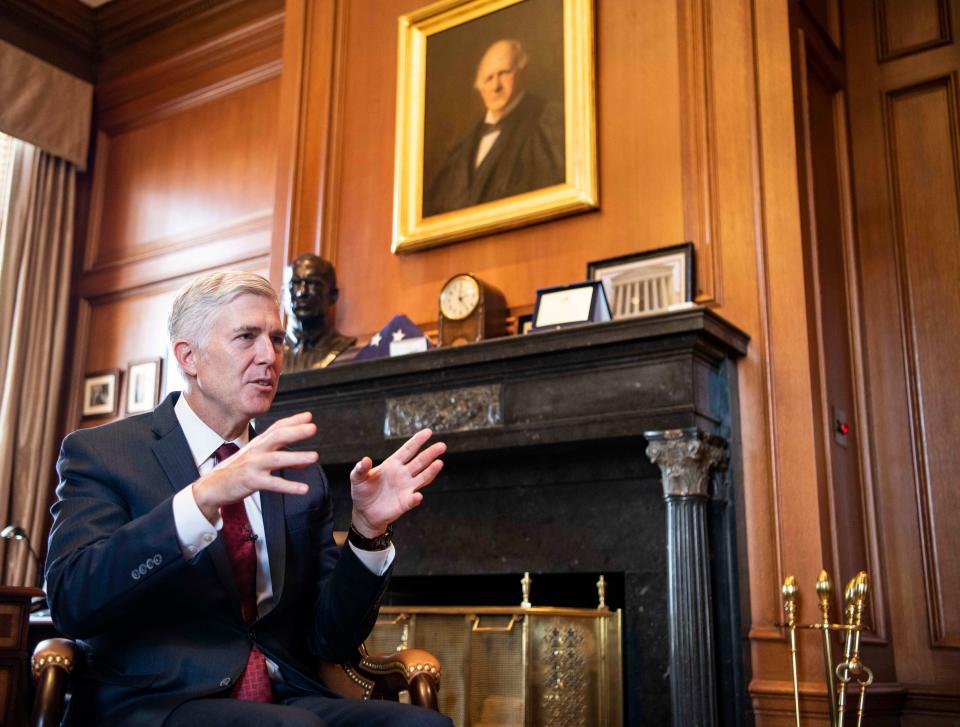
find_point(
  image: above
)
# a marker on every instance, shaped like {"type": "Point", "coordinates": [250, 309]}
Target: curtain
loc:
{"type": "Point", "coordinates": [36, 247]}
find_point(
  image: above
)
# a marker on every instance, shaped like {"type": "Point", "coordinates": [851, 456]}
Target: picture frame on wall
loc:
{"type": "Point", "coordinates": [143, 385]}
{"type": "Point", "coordinates": [496, 121]}
{"type": "Point", "coordinates": [100, 397]}
{"type": "Point", "coordinates": [649, 282]}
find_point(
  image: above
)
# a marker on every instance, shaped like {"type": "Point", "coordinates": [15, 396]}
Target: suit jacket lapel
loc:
{"type": "Point", "coordinates": [170, 446]}
{"type": "Point", "coordinates": [176, 460]}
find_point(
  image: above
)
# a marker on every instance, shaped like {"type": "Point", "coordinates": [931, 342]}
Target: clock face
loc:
{"type": "Point", "coordinates": [459, 297]}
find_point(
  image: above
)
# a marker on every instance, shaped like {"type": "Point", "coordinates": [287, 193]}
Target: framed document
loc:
{"type": "Point", "coordinates": [570, 305]}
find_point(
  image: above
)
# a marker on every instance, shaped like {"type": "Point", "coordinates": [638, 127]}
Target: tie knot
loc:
{"type": "Point", "coordinates": [225, 450]}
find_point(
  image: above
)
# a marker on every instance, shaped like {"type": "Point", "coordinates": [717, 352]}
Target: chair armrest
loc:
{"type": "Point", "coordinates": [384, 677]}
{"type": "Point", "coordinates": [53, 661]}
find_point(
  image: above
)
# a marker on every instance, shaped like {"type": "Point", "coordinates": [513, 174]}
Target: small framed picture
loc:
{"type": "Point", "coordinates": [647, 282]}
{"type": "Point", "coordinates": [143, 385]}
{"type": "Point", "coordinates": [100, 393]}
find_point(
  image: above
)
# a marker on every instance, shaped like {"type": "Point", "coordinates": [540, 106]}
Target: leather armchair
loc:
{"type": "Point", "coordinates": [366, 677]}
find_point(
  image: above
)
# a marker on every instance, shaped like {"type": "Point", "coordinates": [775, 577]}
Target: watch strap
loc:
{"type": "Point", "coordinates": [381, 542]}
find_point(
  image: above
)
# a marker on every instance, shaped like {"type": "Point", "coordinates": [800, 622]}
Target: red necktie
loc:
{"type": "Point", "coordinates": [237, 534]}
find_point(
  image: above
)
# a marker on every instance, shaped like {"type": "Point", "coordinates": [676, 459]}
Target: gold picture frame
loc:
{"type": "Point", "coordinates": [467, 28]}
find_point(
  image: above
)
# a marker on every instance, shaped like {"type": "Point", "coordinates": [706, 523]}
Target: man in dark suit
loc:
{"type": "Point", "coordinates": [193, 558]}
{"type": "Point", "coordinates": [517, 147]}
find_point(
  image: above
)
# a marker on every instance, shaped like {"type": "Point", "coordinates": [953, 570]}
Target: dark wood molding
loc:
{"type": "Point", "coordinates": [248, 41]}
{"type": "Point", "coordinates": [111, 40]}
{"type": "Point", "coordinates": [60, 32]}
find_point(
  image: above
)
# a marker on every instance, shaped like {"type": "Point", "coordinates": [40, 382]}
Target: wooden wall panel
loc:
{"type": "Point", "coordinates": [924, 133]}
{"type": "Point", "coordinates": [911, 27]}
{"type": "Point", "coordinates": [187, 174]}
{"type": "Point", "coordinates": [904, 136]}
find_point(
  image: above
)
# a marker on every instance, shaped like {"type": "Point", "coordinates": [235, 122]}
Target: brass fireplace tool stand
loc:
{"type": "Point", "coordinates": [850, 672]}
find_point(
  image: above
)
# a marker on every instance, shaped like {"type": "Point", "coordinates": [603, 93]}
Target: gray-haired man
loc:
{"type": "Point", "coordinates": [194, 559]}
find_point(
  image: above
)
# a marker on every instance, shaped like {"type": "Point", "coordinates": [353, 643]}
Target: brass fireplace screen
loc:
{"type": "Point", "coordinates": [516, 666]}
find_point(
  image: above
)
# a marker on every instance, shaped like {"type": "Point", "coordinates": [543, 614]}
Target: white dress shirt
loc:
{"type": "Point", "coordinates": [195, 532]}
{"type": "Point", "coordinates": [490, 137]}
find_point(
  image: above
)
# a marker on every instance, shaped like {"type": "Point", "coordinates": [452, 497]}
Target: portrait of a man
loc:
{"type": "Point", "coordinates": [496, 118]}
{"type": "Point", "coordinates": [515, 147]}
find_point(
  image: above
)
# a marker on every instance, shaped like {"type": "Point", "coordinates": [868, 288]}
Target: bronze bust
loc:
{"type": "Point", "coordinates": [312, 341]}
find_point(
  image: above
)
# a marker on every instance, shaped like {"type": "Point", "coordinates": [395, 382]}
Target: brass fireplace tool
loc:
{"type": "Point", "coordinates": [850, 672]}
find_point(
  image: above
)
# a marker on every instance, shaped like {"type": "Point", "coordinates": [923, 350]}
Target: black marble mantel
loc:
{"type": "Point", "coordinates": [552, 441]}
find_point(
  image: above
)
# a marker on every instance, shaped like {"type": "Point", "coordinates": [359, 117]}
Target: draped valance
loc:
{"type": "Point", "coordinates": [45, 106]}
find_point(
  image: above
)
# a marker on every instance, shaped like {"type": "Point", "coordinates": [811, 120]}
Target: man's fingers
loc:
{"type": "Point", "coordinates": [285, 487]}
{"type": "Point", "coordinates": [283, 459]}
{"type": "Point", "coordinates": [426, 457]}
{"type": "Point", "coordinates": [409, 449]}
{"type": "Point", "coordinates": [428, 475]}
{"type": "Point", "coordinates": [361, 469]}
{"type": "Point", "coordinates": [282, 436]}
{"type": "Point", "coordinates": [415, 499]}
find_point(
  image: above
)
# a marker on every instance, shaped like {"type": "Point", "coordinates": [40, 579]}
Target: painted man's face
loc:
{"type": "Point", "coordinates": [498, 79]}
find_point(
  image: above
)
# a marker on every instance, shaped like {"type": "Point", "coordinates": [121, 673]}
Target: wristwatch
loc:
{"type": "Point", "coordinates": [381, 542]}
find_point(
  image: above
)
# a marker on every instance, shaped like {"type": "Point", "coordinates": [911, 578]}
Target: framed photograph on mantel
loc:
{"type": "Point", "coordinates": [647, 282]}
{"type": "Point", "coordinates": [100, 393]}
{"type": "Point", "coordinates": [496, 123]}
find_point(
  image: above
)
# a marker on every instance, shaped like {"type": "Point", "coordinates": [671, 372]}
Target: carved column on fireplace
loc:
{"type": "Point", "coordinates": [686, 458]}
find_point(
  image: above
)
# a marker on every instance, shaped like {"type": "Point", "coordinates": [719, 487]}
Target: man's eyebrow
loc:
{"type": "Point", "coordinates": [257, 329]}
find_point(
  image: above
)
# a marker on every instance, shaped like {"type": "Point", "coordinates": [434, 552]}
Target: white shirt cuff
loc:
{"type": "Point", "coordinates": [377, 561]}
{"type": "Point", "coordinates": [194, 531]}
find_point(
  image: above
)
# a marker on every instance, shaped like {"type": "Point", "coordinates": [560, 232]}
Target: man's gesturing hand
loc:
{"type": "Point", "coordinates": [249, 469]}
{"type": "Point", "coordinates": [383, 493]}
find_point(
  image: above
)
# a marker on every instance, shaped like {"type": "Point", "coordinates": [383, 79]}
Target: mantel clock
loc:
{"type": "Point", "coordinates": [470, 310]}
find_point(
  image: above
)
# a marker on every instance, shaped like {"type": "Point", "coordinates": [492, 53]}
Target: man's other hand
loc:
{"type": "Point", "coordinates": [383, 493]}
{"type": "Point", "coordinates": [249, 470]}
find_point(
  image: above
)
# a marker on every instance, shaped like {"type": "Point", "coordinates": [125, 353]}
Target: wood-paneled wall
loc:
{"type": "Point", "coordinates": [183, 180]}
{"type": "Point", "coordinates": [905, 143]}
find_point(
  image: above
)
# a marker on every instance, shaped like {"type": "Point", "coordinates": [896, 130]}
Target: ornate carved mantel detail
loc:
{"type": "Point", "coordinates": [453, 410]}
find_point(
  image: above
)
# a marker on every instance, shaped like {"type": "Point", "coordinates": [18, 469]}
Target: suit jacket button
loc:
{"type": "Point", "coordinates": [143, 569]}
{"type": "Point", "coordinates": [225, 682]}
{"type": "Point", "coordinates": [135, 574]}
{"type": "Point", "coordinates": [157, 559]}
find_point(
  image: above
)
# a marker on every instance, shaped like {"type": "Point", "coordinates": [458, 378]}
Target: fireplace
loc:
{"type": "Point", "coordinates": [602, 450]}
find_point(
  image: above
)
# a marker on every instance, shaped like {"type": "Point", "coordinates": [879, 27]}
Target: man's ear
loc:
{"type": "Point", "coordinates": [186, 354]}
